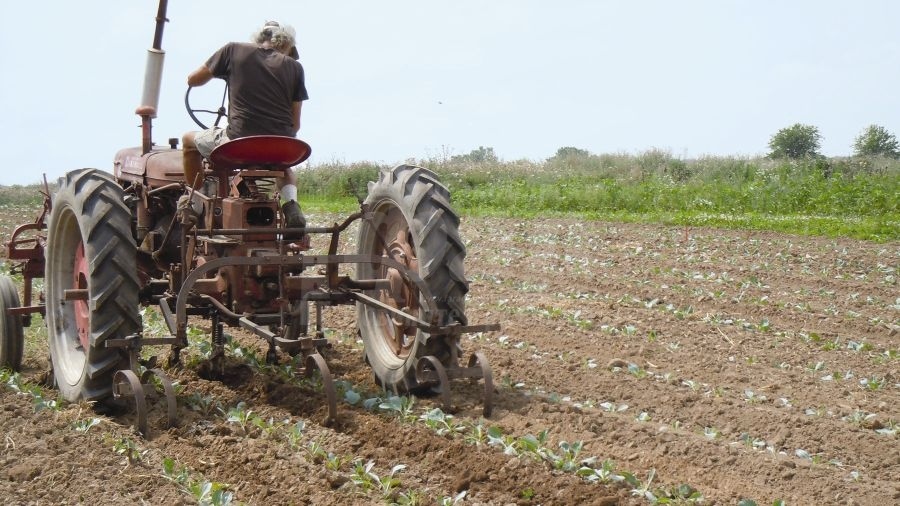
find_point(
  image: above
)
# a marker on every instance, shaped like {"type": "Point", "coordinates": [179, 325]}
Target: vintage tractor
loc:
{"type": "Point", "coordinates": [106, 244]}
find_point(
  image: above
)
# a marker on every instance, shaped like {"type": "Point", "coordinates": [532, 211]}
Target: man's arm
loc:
{"type": "Point", "coordinates": [200, 76]}
{"type": "Point", "coordinates": [295, 109]}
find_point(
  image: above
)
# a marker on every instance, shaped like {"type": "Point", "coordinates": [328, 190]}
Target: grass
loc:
{"type": "Point", "coordinates": [852, 197]}
{"type": "Point", "coordinates": [831, 197]}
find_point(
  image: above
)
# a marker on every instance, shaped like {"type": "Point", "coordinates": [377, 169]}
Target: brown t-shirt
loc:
{"type": "Point", "coordinates": [262, 86]}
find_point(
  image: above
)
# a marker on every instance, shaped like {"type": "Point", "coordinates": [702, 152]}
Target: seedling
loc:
{"type": "Point", "coordinates": [315, 452]}
{"type": "Point", "coordinates": [409, 498]}
{"type": "Point", "coordinates": [402, 407]}
{"type": "Point", "coordinates": [567, 460]}
{"type": "Point", "coordinates": [642, 489]}
{"type": "Point", "coordinates": [128, 449]}
{"type": "Point", "coordinates": [204, 404]}
{"type": "Point", "coordinates": [452, 501]}
{"type": "Point", "coordinates": [294, 435]}
{"type": "Point", "coordinates": [873, 384]}
{"type": "Point", "coordinates": [605, 473]}
{"type": "Point", "coordinates": [611, 407]}
{"type": "Point", "coordinates": [240, 415]}
{"type": "Point", "coordinates": [335, 462]}
{"type": "Point", "coordinates": [440, 422]}
{"type": "Point", "coordinates": [85, 425]}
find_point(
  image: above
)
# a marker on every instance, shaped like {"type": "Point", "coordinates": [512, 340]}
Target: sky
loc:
{"type": "Point", "coordinates": [393, 80]}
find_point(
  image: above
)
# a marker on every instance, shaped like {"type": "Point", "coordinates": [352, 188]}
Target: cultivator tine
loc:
{"type": "Point", "coordinates": [315, 361]}
{"type": "Point", "coordinates": [430, 371]}
{"type": "Point", "coordinates": [427, 376]}
{"type": "Point", "coordinates": [168, 390]}
{"type": "Point", "coordinates": [488, 376]}
{"type": "Point", "coordinates": [126, 383]}
{"type": "Point", "coordinates": [127, 377]}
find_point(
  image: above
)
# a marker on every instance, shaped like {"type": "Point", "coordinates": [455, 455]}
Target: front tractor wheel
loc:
{"type": "Point", "coordinates": [91, 283]}
{"type": "Point", "coordinates": [414, 225]}
{"type": "Point", "coordinates": [11, 334]}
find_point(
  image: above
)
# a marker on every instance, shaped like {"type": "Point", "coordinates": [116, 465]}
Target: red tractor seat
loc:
{"type": "Point", "coordinates": [271, 152]}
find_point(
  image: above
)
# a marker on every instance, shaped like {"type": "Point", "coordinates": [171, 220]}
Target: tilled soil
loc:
{"type": "Point", "coordinates": [742, 364]}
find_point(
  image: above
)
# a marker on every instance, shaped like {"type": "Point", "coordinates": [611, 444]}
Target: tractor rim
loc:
{"type": "Point", "coordinates": [82, 313]}
{"type": "Point", "coordinates": [394, 240]}
{"type": "Point", "coordinates": [72, 320]}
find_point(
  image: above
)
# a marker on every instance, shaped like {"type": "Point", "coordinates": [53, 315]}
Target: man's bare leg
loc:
{"type": "Point", "coordinates": [192, 161]}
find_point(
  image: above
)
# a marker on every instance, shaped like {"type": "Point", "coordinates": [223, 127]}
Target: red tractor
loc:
{"type": "Point", "coordinates": [107, 244]}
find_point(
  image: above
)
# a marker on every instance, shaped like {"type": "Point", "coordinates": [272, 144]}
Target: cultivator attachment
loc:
{"type": "Point", "coordinates": [126, 384]}
{"type": "Point", "coordinates": [430, 372]}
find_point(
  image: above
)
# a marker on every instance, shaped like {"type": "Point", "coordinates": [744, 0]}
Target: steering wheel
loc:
{"type": "Point", "coordinates": [220, 113]}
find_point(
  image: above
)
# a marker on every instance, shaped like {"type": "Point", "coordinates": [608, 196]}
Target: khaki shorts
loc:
{"type": "Point", "coordinates": [207, 140]}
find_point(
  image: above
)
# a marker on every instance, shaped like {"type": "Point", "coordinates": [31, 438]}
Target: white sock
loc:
{"type": "Point", "coordinates": [197, 203]}
{"type": "Point", "coordinates": [288, 193]}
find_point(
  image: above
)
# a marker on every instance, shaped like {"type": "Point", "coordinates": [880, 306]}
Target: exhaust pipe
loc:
{"type": "Point", "coordinates": [152, 80]}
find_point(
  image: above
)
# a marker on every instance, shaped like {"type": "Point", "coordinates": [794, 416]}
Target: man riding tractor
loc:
{"type": "Point", "coordinates": [266, 89]}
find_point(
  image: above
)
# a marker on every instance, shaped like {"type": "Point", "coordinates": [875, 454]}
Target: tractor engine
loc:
{"type": "Point", "coordinates": [245, 221]}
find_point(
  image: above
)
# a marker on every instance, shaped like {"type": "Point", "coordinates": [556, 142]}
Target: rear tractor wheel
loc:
{"type": "Point", "coordinates": [91, 284]}
{"type": "Point", "coordinates": [414, 225]}
{"type": "Point", "coordinates": [11, 337]}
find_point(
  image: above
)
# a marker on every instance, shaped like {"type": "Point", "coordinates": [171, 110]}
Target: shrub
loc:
{"type": "Point", "coordinates": [875, 140]}
{"type": "Point", "coordinates": [795, 141]}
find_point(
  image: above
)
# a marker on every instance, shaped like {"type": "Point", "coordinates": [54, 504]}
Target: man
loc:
{"type": "Point", "coordinates": [266, 89]}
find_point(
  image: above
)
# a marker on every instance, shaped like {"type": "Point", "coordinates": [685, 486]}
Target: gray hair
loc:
{"type": "Point", "coordinates": [281, 37]}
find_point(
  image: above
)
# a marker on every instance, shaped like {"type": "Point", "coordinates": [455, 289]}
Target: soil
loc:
{"type": "Point", "coordinates": [747, 365]}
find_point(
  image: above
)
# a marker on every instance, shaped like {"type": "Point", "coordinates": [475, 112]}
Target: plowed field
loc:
{"type": "Point", "coordinates": [644, 361]}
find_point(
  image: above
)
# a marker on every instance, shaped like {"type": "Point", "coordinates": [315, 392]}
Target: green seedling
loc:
{"type": "Point", "coordinates": [128, 449]}
{"type": "Point", "coordinates": [315, 452]}
{"type": "Point", "coordinates": [640, 489]}
{"type": "Point", "coordinates": [240, 415]}
{"type": "Point", "coordinates": [873, 384]}
{"type": "Point", "coordinates": [203, 492]}
{"type": "Point", "coordinates": [409, 498]}
{"type": "Point", "coordinates": [401, 406]}
{"type": "Point", "coordinates": [452, 501]}
{"type": "Point", "coordinates": [440, 422]}
{"type": "Point", "coordinates": [509, 444]}
{"type": "Point", "coordinates": [335, 462]}
{"type": "Point", "coordinates": [476, 435]}
{"type": "Point", "coordinates": [204, 404]}
{"type": "Point", "coordinates": [606, 473]}
{"type": "Point", "coordinates": [683, 494]}
{"type": "Point", "coordinates": [567, 459]}
{"type": "Point", "coordinates": [85, 425]}
{"type": "Point", "coordinates": [294, 435]}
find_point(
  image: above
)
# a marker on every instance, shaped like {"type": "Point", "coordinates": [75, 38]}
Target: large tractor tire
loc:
{"type": "Point", "coordinates": [11, 337]}
{"type": "Point", "coordinates": [413, 224]}
{"type": "Point", "coordinates": [91, 254]}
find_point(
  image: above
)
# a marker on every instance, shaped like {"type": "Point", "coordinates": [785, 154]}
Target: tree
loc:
{"type": "Point", "coordinates": [875, 140]}
{"type": "Point", "coordinates": [567, 151]}
{"type": "Point", "coordinates": [480, 155]}
{"type": "Point", "coordinates": [795, 141]}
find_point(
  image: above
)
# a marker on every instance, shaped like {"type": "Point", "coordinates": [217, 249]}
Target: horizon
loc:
{"type": "Point", "coordinates": [404, 80]}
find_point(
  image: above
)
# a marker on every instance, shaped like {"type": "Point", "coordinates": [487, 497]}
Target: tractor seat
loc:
{"type": "Point", "coordinates": [270, 152]}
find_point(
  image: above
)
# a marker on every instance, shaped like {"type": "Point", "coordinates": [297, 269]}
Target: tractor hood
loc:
{"type": "Point", "coordinates": [159, 167]}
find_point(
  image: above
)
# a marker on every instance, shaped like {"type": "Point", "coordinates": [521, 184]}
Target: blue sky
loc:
{"type": "Point", "coordinates": [394, 80]}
